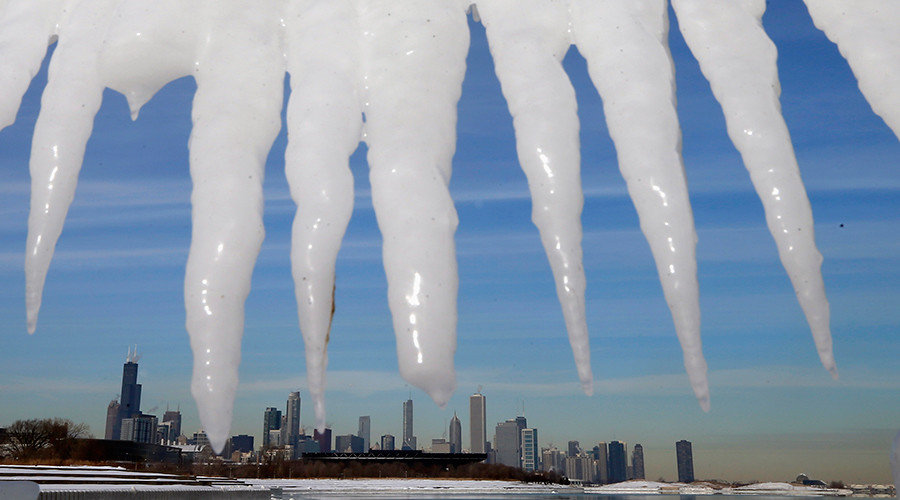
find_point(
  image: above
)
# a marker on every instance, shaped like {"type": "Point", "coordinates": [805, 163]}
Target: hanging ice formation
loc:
{"type": "Point", "coordinates": [401, 63]}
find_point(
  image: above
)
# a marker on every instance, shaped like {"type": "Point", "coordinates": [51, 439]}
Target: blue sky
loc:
{"type": "Point", "coordinates": [117, 281]}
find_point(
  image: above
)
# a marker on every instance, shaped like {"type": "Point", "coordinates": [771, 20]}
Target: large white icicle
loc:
{"type": "Point", "coordinates": [70, 100]}
{"type": "Point", "coordinates": [867, 32]}
{"type": "Point", "coordinates": [236, 116]}
{"type": "Point", "coordinates": [414, 60]}
{"type": "Point", "coordinates": [738, 59]}
{"type": "Point", "coordinates": [324, 121]}
{"type": "Point", "coordinates": [624, 43]}
{"type": "Point", "coordinates": [26, 28]}
{"type": "Point", "coordinates": [528, 40]}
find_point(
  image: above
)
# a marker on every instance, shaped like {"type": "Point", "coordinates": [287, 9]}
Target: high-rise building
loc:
{"type": "Point", "coordinates": [530, 450]}
{"type": "Point", "coordinates": [173, 416]}
{"type": "Point", "coordinates": [685, 458]}
{"type": "Point", "coordinates": [365, 431]}
{"type": "Point", "coordinates": [574, 449]}
{"type": "Point", "coordinates": [441, 445]}
{"type": "Point", "coordinates": [387, 442]}
{"type": "Point", "coordinates": [348, 443]}
{"type": "Point", "coordinates": [508, 442]}
{"type": "Point", "coordinates": [455, 434]}
{"type": "Point", "coordinates": [271, 422]}
{"type": "Point", "coordinates": [409, 440]}
{"type": "Point", "coordinates": [324, 440]}
{"type": "Point", "coordinates": [242, 443]}
{"type": "Point", "coordinates": [602, 457]}
{"type": "Point", "coordinates": [477, 423]}
{"type": "Point", "coordinates": [130, 400]}
{"type": "Point", "coordinates": [617, 462]}
{"type": "Point", "coordinates": [551, 460]}
{"type": "Point", "coordinates": [139, 428]}
{"type": "Point", "coordinates": [112, 420]}
{"type": "Point", "coordinates": [200, 439]}
{"type": "Point", "coordinates": [637, 462]}
{"type": "Point", "coordinates": [292, 419]}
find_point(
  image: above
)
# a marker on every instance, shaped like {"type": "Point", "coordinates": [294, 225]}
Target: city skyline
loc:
{"type": "Point", "coordinates": [117, 280]}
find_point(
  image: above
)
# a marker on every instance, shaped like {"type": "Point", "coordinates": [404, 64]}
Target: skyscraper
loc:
{"type": "Point", "coordinates": [573, 449]}
{"type": "Point", "coordinates": [173, 416]}
{"type": "Point", "coordinates": [685, 457]}
{"type": "Point", "coordinates": [508, 442]}
{"type": "Point", "coordinates": [602, 456]}
{"type": "Point", "coordinates": [617, 462]}
{"type": "Point", "coordinates": [112, 420]}
{"type": "Point", "coordinates": [292, 419]}
{"type": "Point", "coordinates": [365, 431]}
{"type": "Point", "coordinates": [130, 400]}
{"type": "Point", "coordinates": [455, 434]}
{"type": "Point", "coordinates": [324, 440]}
{"type": "Point", "coordinates": [271, 422]}
{"type": "Point", "coordinates": [637, 462]}
{"type": "Point", "coordinates": [409, 440]}
{"type": "Point", "coordinates": [477, 423]}
{"type": "Point", "coordinates": [387, 442]}
{"type": "Point", "coordinates": [530, 451]}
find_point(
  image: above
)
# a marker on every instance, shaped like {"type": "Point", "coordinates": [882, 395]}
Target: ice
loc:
{"type": "Point", "coordinates": [390, 72]}
{"type": "Point", "coordinates": [738, 59]}
{"type": "Point", "coordinates": [866, 33]}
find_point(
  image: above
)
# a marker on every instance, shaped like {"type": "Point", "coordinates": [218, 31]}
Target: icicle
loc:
{"type": "Point", "coordinates": [738, 59]}
{"type": "Point", "coordinates": [414, 57]}
{"type": "Point", "coordinates": [867, 34]}
{"type": "Point", "coordinates": [26, 29]}
{"type": "Point", "coordinates": [624, 42]}
{"type": "Point", "coordinates": [324, 120]}
{"type": "Point", "coordinates": [70, 100]}
{"type": "Point", "coordinates": [528, 40]}
{"type": "Point", "coordinates": [236, 117]}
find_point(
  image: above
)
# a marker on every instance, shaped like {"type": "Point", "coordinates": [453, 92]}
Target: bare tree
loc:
{"type": "Point", "coordinates": [42, 438]}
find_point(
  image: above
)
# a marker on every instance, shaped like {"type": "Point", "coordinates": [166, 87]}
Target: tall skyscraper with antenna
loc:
{"type": "Point", "coordinates": [130, 400]}
{"type": "Point", "coordinates": [409, 440]}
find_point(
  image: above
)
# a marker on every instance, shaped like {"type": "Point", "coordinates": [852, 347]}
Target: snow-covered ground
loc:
{"type": "Point", "coordinates": [295, 488]}
{"type": "Point", "coordinates": [655, 488]}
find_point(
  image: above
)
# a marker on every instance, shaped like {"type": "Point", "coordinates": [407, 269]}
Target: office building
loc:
{"type": "Point", "coordinates": [552, 461]}
{"type": "Point", "coordinates": [387, 442]}
{"type": "Point", "coordinates": [112, 420]}
{"type": "Point", "coordinates": [477, 423]}
{"type": "Point", "coordinates": [573, 449]}
{"type": "Point", "coordinates": [324, 440]}
{"type": "Point", "coordinates": [348, 443]}
{"type": "Point", "coordinates": [637, 462]}
{"type": "Point", "coordinates": [409, 439]}
{"type": "Point", "coordinates": [129, 404]}
{"type": "Point", "coordinates": [508, 442]}
{"type": "Point", "coordinates": [242, 443]}
{"type": "Point", "coordinates": [530, 450]}
{"type": "Point", "coordinates": [617, 462]}
{"type": "Point", "coordinates": [139, 428]}
{"type": "Point", "coordinates": [271, 422]}
{"type": "Point", "coordinates": [292, 419]}
{"type": "Point", "coordinates": [455, 434]}
{"type": "Point", "coordinates": [602, 457]}
{"type": "Point", "coordinates": [365, 431]}
{"type": "Point", "coordinates": [685, 458]}
{"type": "Point", "coordinates": [173, 417]}
{"type": "Point", "coordinates": [200, 439]}
{"type": "Point", "coordinates": [441, 446]}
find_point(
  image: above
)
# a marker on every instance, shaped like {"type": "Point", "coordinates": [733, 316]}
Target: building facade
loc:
{"type": "Point", "coordinates": [174, 419]}
{"type": "Point", "coordinates": [601, 455]}
{"type": "Point", "coordinates": [365, 431]}
{"type": "Point", "coordinates": [455, 434]}
{"type": "Point", "coordinates": [348, 443]}
{"type": "Point", "coordinates": [112, 420]}
{"type": "Point", "coordinates": [616, 464]}
{"type": "Point", "coordinates": [530, 452]}
{"type": "Point", "coordinates": [292, 419]}
{"type": "Point", "coordinates": [387, 442]}
{"type": "Point", "coordinates": [684, 455]}
{"type": "Point", "coordinates": [508, 442]}
{"type": "Point", "coordinates": [637, 462]}
{"type": "Point", "coordinates": [271, 422]}
{"type": "Point", "coordinates": [477, 423]}
{"type": "Point", "coordinates": [409, 439]}
{"type": "Point", "coordinates": [324, 440]}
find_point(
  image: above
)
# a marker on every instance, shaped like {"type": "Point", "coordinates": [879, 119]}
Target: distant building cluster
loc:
{"type": "Point", "coordinates": [514, 443]}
